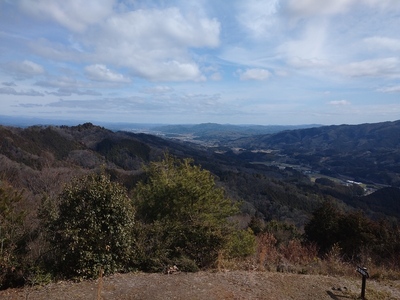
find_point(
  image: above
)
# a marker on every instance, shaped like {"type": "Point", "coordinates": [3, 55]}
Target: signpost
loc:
{"type": "Point", "coordinates": [365, 275]}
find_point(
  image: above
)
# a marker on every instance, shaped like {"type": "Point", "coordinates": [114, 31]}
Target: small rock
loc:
{"type": "Point", "coordinates": [172, 270]}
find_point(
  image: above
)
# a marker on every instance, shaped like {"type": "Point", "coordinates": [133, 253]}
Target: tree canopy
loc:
{"type": "Point", "coordinates": [11, 234]}
{"type": "Point", "coordinates": [193, 213]}
{"type": "Point", "coordinates": [93, 228]}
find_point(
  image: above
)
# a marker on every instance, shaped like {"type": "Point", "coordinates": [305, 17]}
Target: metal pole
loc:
{"type": "Point", "coordinates": [364, 281]}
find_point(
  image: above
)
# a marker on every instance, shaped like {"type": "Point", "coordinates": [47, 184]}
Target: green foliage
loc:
{"type": "Point", "coordinates": [242, 243]}
{"type": "Point", "coordinates": [323, 227]}
{"type": "Point", "coordinates": [186, 264]}
{"type": "Point", "coordinates": [11, 236]}
{"type": "Point", "coordinates": [47, 138]}
{"type": "Point", "coordinates": [357, 237]}
{"type": "Point", "coordinates": [152, 247]}
{"type": "Point", "coordinates": [256, 225]}
{"type": "Point", "coordinates": [124, 152]}
{"type": "Point", "coordinates": [93, 227]}
{"type": "Point", "coordinates": [36, 275]}
{"type": "Point", "coordinates": [355, 232]}
{"type": "Point", "coordinates": [272, 196]}
{"type": "Point", "coordinates": [325, 181]}
{"type": "Point", "coordinates": [282, 231]}
{"type": "Point", "coordinates": [182, 201]}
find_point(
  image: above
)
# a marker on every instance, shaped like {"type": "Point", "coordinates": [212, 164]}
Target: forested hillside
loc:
{"type": "Point", "coordinates": [55, 177]}
{"type": "Point", "coordinates": [368, 152]}
{"type": "Point", "coordinates": [32, 157]}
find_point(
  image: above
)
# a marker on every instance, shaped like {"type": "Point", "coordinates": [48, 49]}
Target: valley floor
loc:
{"type": "Point", "coordinates": [210, 286]}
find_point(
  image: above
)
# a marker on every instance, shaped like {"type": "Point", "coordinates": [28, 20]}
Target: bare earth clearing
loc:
{"type": "Point", "coordinates": [209, 285]}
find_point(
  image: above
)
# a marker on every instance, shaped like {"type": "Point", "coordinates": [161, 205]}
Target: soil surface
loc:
{"type": "Point", "coordinates": [209, 286]}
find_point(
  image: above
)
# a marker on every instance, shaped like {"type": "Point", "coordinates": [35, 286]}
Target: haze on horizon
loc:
{"type": "Point", "coordinates": [184, 62]}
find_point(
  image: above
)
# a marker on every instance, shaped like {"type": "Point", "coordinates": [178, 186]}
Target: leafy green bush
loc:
{"type": "Point", "coordinates": [242, 243]}
{"type": "Point", "coordinates": [358, 237]}
{"type": "Point", "coordinates": [189, 211]}
{"type": "Point", "coordinates": [185, 264]}
{"type": "Point", "coordinates": [93, 228]}
{"type": "Point", "coordinates": [152, 245]}
{"type": "Point", "coordinates": [323, 227]}
{"type": "Point", "coordinates": [11, 237]}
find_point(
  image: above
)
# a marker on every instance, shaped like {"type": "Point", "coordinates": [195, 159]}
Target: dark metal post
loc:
{"type": "Point", "coordinates": [364, 280]}
{"type": "Point", "coordinates": [365, 275]}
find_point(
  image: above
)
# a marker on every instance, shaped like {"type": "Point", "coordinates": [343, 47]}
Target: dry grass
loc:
{"type": "Point", "coordinates": [295, 257]}
{"type": "Point", "coordinates": [289, 270]}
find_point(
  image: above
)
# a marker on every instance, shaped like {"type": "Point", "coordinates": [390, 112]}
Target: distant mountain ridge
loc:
{"type": "Point", "coordinates": [365, 152]}
{"type": "Point", "coordinates": [338, 137]}
{"type": "Point", "coordinates": [205, 130]}
{"type": "Point", "coordinates": [270, 172]}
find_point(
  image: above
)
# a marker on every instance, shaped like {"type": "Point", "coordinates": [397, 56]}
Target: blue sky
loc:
{"type": "Point", "coordinates": [239, 62]}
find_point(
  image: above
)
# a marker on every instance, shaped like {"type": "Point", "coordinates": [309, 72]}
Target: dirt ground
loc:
{"type": "Point", "coordinates": [210, 286]}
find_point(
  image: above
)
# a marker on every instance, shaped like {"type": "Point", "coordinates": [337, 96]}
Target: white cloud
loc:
{"type": "Point", "coordinates": [75, 15]}
{"type": "Point", "coordinates": [216, 76]}
{"type": "Point", "coordinates": [9, 83]}
{"type": "Point", "coordinates": [64, 92]}
{"type": "Point", "coordinates": [100, 72]}
{"type": "Point", "coordinates": [171, 70]}
{"type": "Point", "coordinates": [381, 42]}
{"type": "Point", "coordinates": [181, 103]}
{"type": "Point", "coordinates": [339, 102]}
{"type": "Point", "coordinates": [391, 89]}
{"type": "Point", "coordinates": [61, 82]}
{"type": "Point", "coordinates": [331, 37]}
{"type": "Point", "coordinates": [306, 8]}
{"type": "Point", "coordinates": [154, 43]}
{"type": "Point", "coordinates": [309, 48]}
{"type": "Point", "coordinates": [247, 56]}
{"type": "Point", "coordinates": [255, 74]}
{"type": "Point", "coordinates": [56, 51]}
{"type": "Point", "coordinates": [389, 5]}
{"type": "Point", "coordinates": [384, 67]}
{"type": "Point", "coordinates": [298, 62]}
{"type": "Point", "coordinates": [75, 82]}
{"type": "Point", "coordinates": [258, 16]}
{"type": "Point", "coordinates": [281, 73]}
{"type": "Point", "coordinates": [12, 91]}
{"type": "Point", "coordinates": [85, 105]}
{"type": "Point", "coordinates": [349, 47]}
{"type": "Point", "coordinates": [25, 68]}
{"type": "Point", "coordinates": [159, 89]}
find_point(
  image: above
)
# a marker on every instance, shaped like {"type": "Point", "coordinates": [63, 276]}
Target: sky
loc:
{"type": "Point", "coordinates": [269, 62]}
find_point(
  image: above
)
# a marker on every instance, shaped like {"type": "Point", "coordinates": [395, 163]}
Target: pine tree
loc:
{"type": "Point", "coordinates": [183, 200]}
